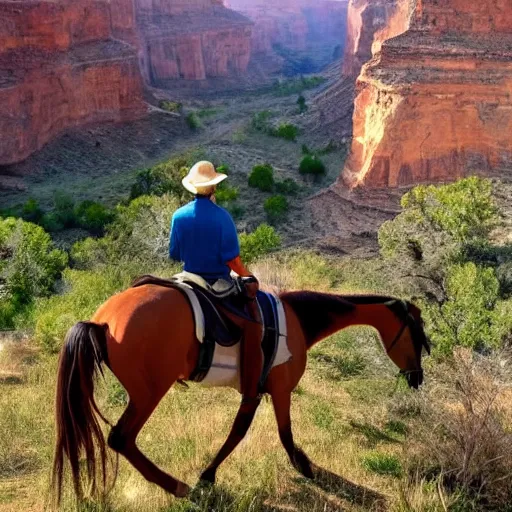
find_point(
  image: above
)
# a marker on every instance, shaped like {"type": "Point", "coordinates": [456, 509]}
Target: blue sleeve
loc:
{"type": "Point", "coordinates": [230, 247]}
{"type": "Point", "coordinates": [174, 246]}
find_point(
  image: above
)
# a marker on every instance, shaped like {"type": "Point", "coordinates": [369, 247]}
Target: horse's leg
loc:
{"type": "Point", "coordinates": [281, 401]}
{"type": "Point", "coordinates": [122, 439]}
{"type": "Point", "coordinates": [240, 427]}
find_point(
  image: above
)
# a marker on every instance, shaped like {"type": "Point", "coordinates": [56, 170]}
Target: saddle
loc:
{"type": "Point", "coordinates": [213, 326]}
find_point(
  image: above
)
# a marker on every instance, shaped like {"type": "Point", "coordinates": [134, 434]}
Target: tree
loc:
{"type": "Point", "coordinates": [29, 266]}
{"type": "Point", "coordinates": [435, 249]}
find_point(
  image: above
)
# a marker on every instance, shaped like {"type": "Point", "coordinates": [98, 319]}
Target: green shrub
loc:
{"type": "Point", "coordinates": [209, 112]}
{"type": "Point", "coordinates": [305, 150]}
{"type": "Point", "coordinates": [139, 234]}
{"type": "Point", "coordinates": [86, 291]}
{"type": "Point", "coordinates": [296, 85]}
{"type": "Point", "coordinates": [276, 207]}
{"type": "Point", "coordinates": [29, 266]}
{"type": "Point", "coordinates": [223, 168]}
{"type": "Point", "coordinates": [193, 121]}
{"type": "Point", "coordinates": [262, 177]}
{"type": "Point", "coordinates": [258, 243]}
{"type": "Point", "coordinates": [260, 121]}
{"type": "Point", "coordinates": [170, 106]}
{"type": "Point", "coordinates": [64, 209]}
{"type": "Point", "coordinates": [236, 211]}
{"type": "Point", "coordinates": [32, 212]}
{"type": "Point", "coordinates": [288, 187]}
{"type": "Point", "coordinates": [163, 178]}
{"type": "Point", "coordinates": [311, 164]}
{"type": "Point", "coordinates": [382, 464]}
{"type": "Point", "coordinates": [226, 194]}
{"type": "Point", "coordinates": [287, 131]}
{"type": "Point", "coordinates": [93, 216]}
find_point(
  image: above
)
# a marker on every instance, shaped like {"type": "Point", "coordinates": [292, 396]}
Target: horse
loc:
{"type": "Point", "coordinates": [146, 336]}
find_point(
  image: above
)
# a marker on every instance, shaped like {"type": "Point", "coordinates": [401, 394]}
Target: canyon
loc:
{"type": "Point", "coordinates": [434, 103]}
{"type": "Point", "coordinates": [192, 40]}
{"type": "Point", "coordinates": [64, 64]}
{"type": "Point", "coordinates": [294, 25]}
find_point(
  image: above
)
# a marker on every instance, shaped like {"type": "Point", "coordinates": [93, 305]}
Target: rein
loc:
{"type": "Point", "coordinates": [405, 321]}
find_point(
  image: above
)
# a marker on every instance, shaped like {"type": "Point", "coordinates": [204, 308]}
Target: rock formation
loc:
{"type": "Point", "coordinates": [435, 103]}
{"type": "Point", "coordinates": [290, 23]}
{"type": "Point", "coordinates": [192, 39]}
{"type": "Point", "coordinates": [369, 24]}
{"type": "Point", "coordinates": [62, 65]}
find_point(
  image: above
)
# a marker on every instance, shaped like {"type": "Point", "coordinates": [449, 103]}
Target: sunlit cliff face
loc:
{"type": "Point", "coordinates": [435, 103]}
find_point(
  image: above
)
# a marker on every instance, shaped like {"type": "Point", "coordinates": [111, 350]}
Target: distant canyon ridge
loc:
{"type": "Point", "coordinates": [68, 63]}
{"type": "Point", "coordinates": [434, 77]}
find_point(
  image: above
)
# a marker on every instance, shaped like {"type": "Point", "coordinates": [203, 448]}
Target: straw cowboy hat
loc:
{"type": "Point", "coordinates": [202, 175]}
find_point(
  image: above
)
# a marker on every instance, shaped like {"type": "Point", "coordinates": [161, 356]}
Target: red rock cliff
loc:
{"type": "Point", "coordinates": [192, 39]}
{"type": "Point", "coordinates": [436, 103]}
{"type": "Point", "coordinates": [369, 24]}
{"type": "Point", "coordinates": [292, 24]}
{"type": "Point", "coordinates": [61, 66]}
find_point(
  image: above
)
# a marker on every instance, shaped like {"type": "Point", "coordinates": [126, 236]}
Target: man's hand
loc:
{"type": "Point", "coordinates": [251, 288]}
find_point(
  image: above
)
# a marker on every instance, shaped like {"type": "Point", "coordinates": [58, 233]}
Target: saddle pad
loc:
{"type": "Point", "coordinates": [225, 366]}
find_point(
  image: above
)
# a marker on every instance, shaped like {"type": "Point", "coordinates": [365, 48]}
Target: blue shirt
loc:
{"type": "Point", "coordinates": [204, 237]}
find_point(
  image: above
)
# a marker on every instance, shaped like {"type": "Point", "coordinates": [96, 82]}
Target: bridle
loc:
{"type": "Point", "coordinates": [400, 307]}
{"type": "Point", "coordinates": [401, 310]}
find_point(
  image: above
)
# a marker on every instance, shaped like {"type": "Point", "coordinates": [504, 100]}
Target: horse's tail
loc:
{"type": "Point", "coordinates": [77, 415]}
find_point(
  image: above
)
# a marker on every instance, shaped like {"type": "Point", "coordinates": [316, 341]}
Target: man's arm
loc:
{"type": "Point", "coordinates": [237, 266]}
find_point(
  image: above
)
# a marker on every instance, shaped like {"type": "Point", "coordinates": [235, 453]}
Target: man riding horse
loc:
{"type": "Point", "coordinates": [204, 237]}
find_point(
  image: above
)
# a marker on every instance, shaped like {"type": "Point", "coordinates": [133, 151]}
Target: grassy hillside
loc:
{"type": "Point", "coordinates": [378, 446]}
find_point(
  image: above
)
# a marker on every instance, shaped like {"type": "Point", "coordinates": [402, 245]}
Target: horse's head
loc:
{"type": "Point", "coordinates": [406, 348]}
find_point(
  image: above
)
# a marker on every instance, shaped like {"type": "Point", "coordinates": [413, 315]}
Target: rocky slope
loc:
{"type": "Point", "coordinates": [63, 64]}
{"type": "Point", "coordinates": [435, 103]}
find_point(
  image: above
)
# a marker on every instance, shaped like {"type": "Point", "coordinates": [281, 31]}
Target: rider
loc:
{"type": "Point", "coordinates": [204, 237]}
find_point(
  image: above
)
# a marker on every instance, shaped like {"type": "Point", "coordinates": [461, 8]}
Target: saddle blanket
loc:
{"type": "Point", "coordinates": [224, 370]}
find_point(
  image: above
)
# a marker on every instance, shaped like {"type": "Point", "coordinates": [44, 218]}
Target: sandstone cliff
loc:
{"type": "Point", "coordinates": [369, 24]}
{"type": "Point", "coordinates": [62, 65]}
{"type": "Point", "coordinates": [436, 103]}
{"type": "Point", "coordinates": [192, 40]}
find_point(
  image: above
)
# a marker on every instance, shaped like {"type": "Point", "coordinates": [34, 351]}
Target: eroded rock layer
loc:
{"type": "Point", "coordinates": [202, 42]}
{"type": "Point", "coordinates": [436, 103]}
{"type": "Point", "coordinates": [369, 24]}
{"type": "Point", "coordinates": [62, 65]}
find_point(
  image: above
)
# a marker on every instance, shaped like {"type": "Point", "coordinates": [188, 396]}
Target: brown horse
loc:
{"type": "Point", "coordinates": [146, 336]}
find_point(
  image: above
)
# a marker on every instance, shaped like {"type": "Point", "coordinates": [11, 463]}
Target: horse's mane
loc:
{"type": "Point", "coordinates": [314, 310]}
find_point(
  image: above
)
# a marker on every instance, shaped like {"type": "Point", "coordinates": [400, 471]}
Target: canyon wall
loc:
{"type": "Point", "coordinates": [192, 40]}
{"type": "Point", "coordinates": [291, 23]}
{"type": "Point", "coordinates": [435, 103]}
{"type": "Point", "coordinates": [62, 66]}
{"type": "Point", "coordinates": [369, 24]}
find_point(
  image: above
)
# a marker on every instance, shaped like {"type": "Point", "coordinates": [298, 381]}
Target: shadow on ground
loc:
{"type": "Point", "coordinates": [327, 493]}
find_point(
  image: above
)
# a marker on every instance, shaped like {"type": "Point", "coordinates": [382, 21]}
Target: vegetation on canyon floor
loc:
{"type": "Point", "coordinates": [447, 447]}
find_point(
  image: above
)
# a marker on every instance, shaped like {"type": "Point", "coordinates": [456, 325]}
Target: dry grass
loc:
{"type": "Point", "coordinates": [464, 437]}
{"type": "Point", "coordinates": [341, 421]}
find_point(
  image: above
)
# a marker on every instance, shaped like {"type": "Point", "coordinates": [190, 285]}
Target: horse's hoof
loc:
{"type": "Point", "coordinates": [208, 477]}
{"type": "Point", "coordinates": [182, 490]}
{"type": "Point", "coordinates": [303, 465]}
